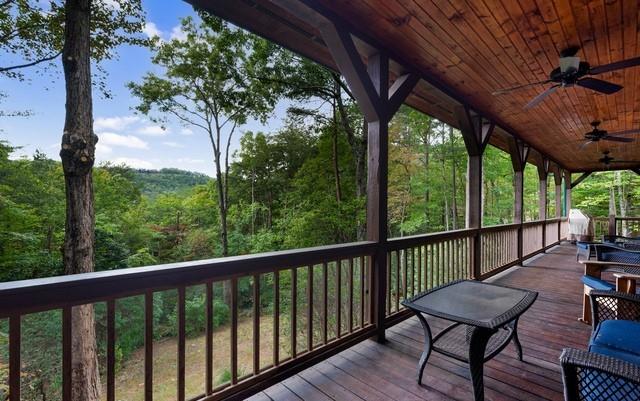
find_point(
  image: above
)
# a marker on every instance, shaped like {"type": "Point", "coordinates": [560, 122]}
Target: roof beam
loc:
{"type": "Point", "coordinates": [476, 130]}
{"type": "Point", "coordinates": [580, 179]}
{"type": "Point", "coordinates": [519, 152]}
{"type": "Point", "coordinates": [400, 89]}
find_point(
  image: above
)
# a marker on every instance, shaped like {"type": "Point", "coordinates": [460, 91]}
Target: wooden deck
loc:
{"type": "Point", "coordinates": [371, 371]}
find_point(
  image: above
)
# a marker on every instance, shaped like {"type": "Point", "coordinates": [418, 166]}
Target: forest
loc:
{"type": "Point", "coordinates": [300, 186]}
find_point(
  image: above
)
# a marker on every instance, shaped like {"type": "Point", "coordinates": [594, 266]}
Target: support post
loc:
{"type": "Point", "coordinates": [476, 132]}
{"type": "Point", "coordinates": [612, 225]}
{"type": "Point", "coordinates": [543, 172]}
{"type": "Point", "coordinates": [378, 102]}
{"type": "Point", "coordinates": [557, 180]}
{"type": "Point", "coordinates": [519, 152]}
{"type": "Point", "coordinates": [567, 192]}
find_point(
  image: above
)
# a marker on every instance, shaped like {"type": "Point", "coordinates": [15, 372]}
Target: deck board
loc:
{"type": "Point", "coordinates": [372, 371]}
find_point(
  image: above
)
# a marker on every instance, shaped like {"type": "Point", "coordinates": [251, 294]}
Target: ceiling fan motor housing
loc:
{"type": "Point", "coordinates": [570, 75]}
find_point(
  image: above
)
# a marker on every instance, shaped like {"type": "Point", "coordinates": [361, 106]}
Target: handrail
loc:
{"type": "Point", "coordinates": [422, 239]}
{"type": "Point", "coordinates": [27, 296]}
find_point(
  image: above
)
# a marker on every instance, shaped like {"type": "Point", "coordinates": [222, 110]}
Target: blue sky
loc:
{"type": "Point", "coordinates": [124, 136]}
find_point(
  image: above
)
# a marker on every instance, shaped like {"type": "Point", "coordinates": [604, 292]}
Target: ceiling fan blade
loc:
{"type": "Point", "coordinates": [599, 85]}
{"type": "Point", "coordinates": [617, 139]}
{"type": "Point", "coordinates": [584, 145]}
{"type": "Point", "coordinates": [618, 65]}
{"type": "Point", "coordinates": [625, 132]}
{"type": "Point", "coordinates": [541, 97]}
{"type": "Point", "coordinates": [513, 88]}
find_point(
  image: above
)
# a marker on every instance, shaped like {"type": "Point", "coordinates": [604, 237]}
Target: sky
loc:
{"type": "Point", "coordinates": [124, 136]}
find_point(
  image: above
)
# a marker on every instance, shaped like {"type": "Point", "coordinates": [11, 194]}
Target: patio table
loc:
{"type": "Point", "coordinates": [485, 319]}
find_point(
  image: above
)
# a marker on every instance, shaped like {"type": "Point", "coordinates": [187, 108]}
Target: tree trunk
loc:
{"type": "Point", "coordinates": [454, 204]}
{"type": "Point", "coordinates": [336, 166]}
{"type": "Point", "coordinates": [78, 155]}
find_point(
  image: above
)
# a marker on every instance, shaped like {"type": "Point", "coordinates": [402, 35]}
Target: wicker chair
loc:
{"type": "Point", "coordinates": [586, 250]}
{"type": "Point", "coordinates": [632, 243]}
{"type": "Point", "coordinates": [617, 254]}
{"type": "Point", "coordinates": [610, 370]}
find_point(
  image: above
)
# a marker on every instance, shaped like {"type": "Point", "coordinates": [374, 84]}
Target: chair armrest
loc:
{"type": "Point", "coordinates": [585, 373]}
{"type": "Point", "coordinates": [598, 265]}
{"type": "Point", "coordinates": [627, 275]}
{"type": "Point", "coordinates": [613, 305]}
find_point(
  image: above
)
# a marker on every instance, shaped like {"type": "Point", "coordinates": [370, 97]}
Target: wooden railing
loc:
{"type": "Point", "coordinates": [322, 300]}
{"type": "Point", "coordinates": [339, 314]}
{"type": "Point", "coordinates": [421, 262]}
{"type": "Point", "coordinates": [615, 225]}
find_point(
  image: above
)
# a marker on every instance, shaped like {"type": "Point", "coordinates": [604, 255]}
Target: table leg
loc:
{"type": "Point", "coordinates": [477, 346]}
{"type": "Point", "coordinates": [422, 363]}
{"type": "Point", "coordinates": [516, 340]}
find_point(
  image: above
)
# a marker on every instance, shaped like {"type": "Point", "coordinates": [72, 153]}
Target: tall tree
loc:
{"type": "Point", "coordinates": [211, 83]}
{"type": "Point", "coordinates": [78, 155]}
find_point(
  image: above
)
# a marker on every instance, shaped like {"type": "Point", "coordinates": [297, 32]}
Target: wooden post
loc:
{"type": "Point", "coordinates": [378, 101]}
{"type": "Point", "coordinates": [567, 191]}
{"type": "Point", "coordinates": [519, 152]}
{"type": "Point", "coordinates": [612, 225]}
{"type": "Point", "coordinates": [476, 132]}
{"type": "Point", "coordinates": [543, 172]}
{"type": "Point", "coordinates": [557, 179]}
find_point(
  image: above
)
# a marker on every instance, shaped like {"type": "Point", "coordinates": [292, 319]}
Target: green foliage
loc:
{"type": "Point", "coordinates": [167, 180]}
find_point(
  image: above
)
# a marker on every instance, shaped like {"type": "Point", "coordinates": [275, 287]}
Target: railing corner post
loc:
{"type": "Point", "coordinates": [477, 255]}
{"type": "Point", "coordinates": [379, 297]}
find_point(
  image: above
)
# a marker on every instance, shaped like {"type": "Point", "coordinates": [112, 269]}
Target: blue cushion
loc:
{"type": "Point", "coordinates": [617, 338]}
{"type": "Point", "coordinates": [582, 245]}
{"type": "Point", "coordinates": [597, 284]}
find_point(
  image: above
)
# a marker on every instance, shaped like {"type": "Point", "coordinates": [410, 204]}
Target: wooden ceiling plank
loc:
{"type": "Point", "coordinates": [476, 29]}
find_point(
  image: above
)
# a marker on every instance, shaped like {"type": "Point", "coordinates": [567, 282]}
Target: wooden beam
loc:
{"type": "Point", "coordinates": [353, 69]}
{"type": "Point", "coordinates": [567, 191]}
{"type": "Point", "coordinates": [543, 173]}
{"type": "Point", "coordinates": [476, 130]}
{"type": "Point", "coordinates": [580, 179]}
{"type": "Point", "coordinates": [519, 152]}
{"type": "Point", "coordinates": [399, 91]}
{"type": "Point", "coordinates": [557, 178]}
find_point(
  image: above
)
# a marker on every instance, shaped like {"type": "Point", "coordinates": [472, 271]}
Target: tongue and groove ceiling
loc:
{"type": "Point", "coordinates": [467, 49]}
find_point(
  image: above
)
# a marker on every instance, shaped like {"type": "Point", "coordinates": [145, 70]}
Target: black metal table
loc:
{"type": "Point", "coordinates": [485, 319]}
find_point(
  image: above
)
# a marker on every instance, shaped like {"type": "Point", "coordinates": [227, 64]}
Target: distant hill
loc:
{"type": "Point", "coordinates": [155, 182]}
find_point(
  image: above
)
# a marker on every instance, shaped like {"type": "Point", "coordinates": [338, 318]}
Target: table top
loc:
{"type": "Point", "coordinates": [473, 302]}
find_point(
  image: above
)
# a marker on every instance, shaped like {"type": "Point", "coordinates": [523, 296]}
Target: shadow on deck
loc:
{"type": "Point", "coordinates": [371, 371]}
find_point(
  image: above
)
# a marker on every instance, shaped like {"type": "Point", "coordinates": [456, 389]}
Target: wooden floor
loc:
{"type": "Point", "coordinates": [371, 371]}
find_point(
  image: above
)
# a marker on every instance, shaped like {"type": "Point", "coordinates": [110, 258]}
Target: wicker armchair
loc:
{"type": "Point", "coordinates": [632, 243]}
{"type": "Point", "coordinates": [586, 250]}
{"type": "Point", "coordinates": [617, 254]}
{"type": "Point", "coordinates": [607, 371]}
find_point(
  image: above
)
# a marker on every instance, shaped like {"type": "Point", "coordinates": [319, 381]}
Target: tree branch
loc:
{"type": "Point", "coordinates": [31, 64]}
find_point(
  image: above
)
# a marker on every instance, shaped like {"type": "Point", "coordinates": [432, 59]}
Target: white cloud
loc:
{"type": "Point", "coordinates": [127, 141]}
{"type": "Point", "coordinates": [151, 30]}
{"type": "Point", "coordinates": [173, 144]}
{"type": "Point", "coordinates": [103, 150]}
{"type": "Point", "coordinates": [186, 132]}
{"type": "Point", "coordinates": [186, 160]}
{"type": "Point", "coordinates": [152, 130]}
{"type": "Point", "coordinates": [133, 162]}
{"type": "Point", "coordinates": [177, 33]}
{"type": "Point", "coordinates": [114, 123]}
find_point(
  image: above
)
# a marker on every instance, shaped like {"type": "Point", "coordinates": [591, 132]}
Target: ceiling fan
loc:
{"type": "Point", "coordinates": [597, 135]}
{"type": "Point", "coordinates": [572, 72]}
{"type": "Point", "coordinates": [607, 160]}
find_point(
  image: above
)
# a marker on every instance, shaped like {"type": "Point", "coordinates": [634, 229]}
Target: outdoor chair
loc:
{"type": "Point", "coordinates": [586, 250]}
{"type": "Point", "coordinates": [617, 254]}
{"type": "Point", "coordinates": [610, 369]}
{"type": "Point", "coordinates": [632, 243]}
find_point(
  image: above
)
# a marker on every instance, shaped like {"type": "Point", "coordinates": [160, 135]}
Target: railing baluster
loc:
{"type": "Point", "coordinates": [148, 346]}
{"type": "Point", "coordinates": [388, 283]}
{"type": "Point", "coordinates": [420, 283]}
{"type": "Point", "coordinates": [66, 353]}
{"type": "Point", "coordinates": [338, 297]}
{"type": "Point", "coordinates": [325, 305]}
{"type": "Point", "coordinates": [14, 358]}
{"type": "Point", "coordinates": [294, 312]}
{"type": "Point", "coordinates": [181, 340]}
{"type": "Point", "coordinates": [370, 273]}
{"type": "Point", "coordinates": [363, 290]}
{"type": "Point", "coordinates": [276, 317]}
{"type": "Point", "coordinates": [234, 330]}
{"type": "Point", "coordinates": [397, 297]}
{"type": "Point", "coordinates": [405, 278]}
{"type": "Point", "coordinates": [350, 284]}
{"type": "Point", "coordinates": [256, 324]}
{"type": "Point", "coordinates": [209, 339]}
{"type": "Point", "coordinates": [309, 307]}
{"type": "Point", "coordinates": [111, 350]}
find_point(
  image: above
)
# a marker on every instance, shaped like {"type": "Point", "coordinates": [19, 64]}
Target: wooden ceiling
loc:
{"type": "Point", "coordinates": [467, 49]}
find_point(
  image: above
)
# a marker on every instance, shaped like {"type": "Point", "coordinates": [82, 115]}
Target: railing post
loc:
{"type": "Point", "coordinates": [612, 225]}
{"type": "Point", "coordinates": [519, 153]}
{"type": "Point", "coordinates": [476, 132]}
